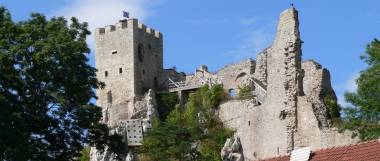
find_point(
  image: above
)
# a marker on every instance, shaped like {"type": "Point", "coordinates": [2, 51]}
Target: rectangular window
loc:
{"type": "Point", "coordinates": [114, 52]}
{"type": "Point", "coordinates": [120, 70]}
{"type": "Point", "coordinates": [106, 73]}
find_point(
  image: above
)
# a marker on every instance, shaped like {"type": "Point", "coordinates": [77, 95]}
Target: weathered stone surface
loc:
{"type": "Point", "coordinates": [311, 135]}
{"type": "Point", "coordinates": [317, 86]}
{"type": "Point", "coordinates": [234, 75]}
{"type": "Point", "coordinates": [232, 150]}
{"type": "Point", "coordinates": [261, 73]}
{"type": "Point", "coordinates": [293, 114]}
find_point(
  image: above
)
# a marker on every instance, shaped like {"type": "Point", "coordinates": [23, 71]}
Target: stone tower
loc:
{"type": "Point", "coordinates": [129, 58]}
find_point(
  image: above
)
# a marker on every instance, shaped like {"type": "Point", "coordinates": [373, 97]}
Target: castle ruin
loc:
{"type": "Point", "coordinates": [287, 112]}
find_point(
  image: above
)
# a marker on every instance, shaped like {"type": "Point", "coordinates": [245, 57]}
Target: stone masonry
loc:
{"type": "Point", "coordinates": [294, 114]}
{"type": "Point", "coordinates": [287, 111]}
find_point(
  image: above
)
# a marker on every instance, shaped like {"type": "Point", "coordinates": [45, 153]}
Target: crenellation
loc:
{"type": "Point", "coordinates": [158, 34]}
{"type": "Point", "coordinates": [122, 24]}
{"type": "Point", "coordinates": [149, 30]}
{"type": "Point", "coordinates": [100, 30]}
{"type": "Point", "coordinates": [142, 26]}
{"type": "Point", "coordinates": [110, 28]}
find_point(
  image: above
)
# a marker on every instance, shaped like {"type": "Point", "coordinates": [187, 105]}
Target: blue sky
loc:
{"type": "Point", "coordinates": [217, 32]}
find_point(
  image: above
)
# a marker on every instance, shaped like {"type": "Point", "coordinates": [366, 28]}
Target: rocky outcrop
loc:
{"type": "Point", "coordinates": [232, 150]}
{"type": "Point", "coordinates": [144, 112]}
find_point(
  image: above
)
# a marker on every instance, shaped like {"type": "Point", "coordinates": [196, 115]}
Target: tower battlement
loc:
{"type": "Point", "coordinates": [129, 24]}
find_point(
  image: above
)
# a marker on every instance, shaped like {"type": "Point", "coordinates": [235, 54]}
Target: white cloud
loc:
{"type": "Point", "coordinates": [248, 21]}
{"type": "Point", "coordinates": [348, 86]}
{"type": "Point", "coordinates": [100, 13]}
{"type": "Point", "coordinates": [254, 42]}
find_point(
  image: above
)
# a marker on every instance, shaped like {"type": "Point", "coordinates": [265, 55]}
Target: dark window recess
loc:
{"type": "Point", "coordinates": [149, 46]}
{"type": "Point", "coordinates": [106, 73]}
{"type": "Point", "coordinates": [114, 52]}
{"type": "Point", "coordinates": [120, 70]}
{"type": "Point", "coordinates": [140, 52]}
{"type": "Point", "coordinates": [143, 71]}
{"type": "Point", "coordinates": [155, 85]}
{"type": "Point", "coordinates": [109, 97]}
{"type": "Point", "coordinates": [249, 123]}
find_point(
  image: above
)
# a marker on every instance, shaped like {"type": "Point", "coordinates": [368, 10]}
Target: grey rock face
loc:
{"type": "Point", "coordinates": [232, 150]}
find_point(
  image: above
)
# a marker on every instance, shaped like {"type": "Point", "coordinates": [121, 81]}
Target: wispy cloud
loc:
{"type": "Point", "coordinates": [99, 13]}
{"type": "Point", "coordinates": [348, 86]}
{"type": "Point", "coordinates": [253, 41]}
{"type": "Point", "coordinates": [248, 21]}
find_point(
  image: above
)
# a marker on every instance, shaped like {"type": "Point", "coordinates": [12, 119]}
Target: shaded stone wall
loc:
{"type": "Point", "coordinates": [261, 72]}
{"type": "Point", "coordinates": [149, 65]}
{"type": "Point", "coordinates": [234, 75]}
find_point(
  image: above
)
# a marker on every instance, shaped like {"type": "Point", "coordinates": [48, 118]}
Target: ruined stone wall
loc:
{"type": "Point", "coordinates": [261, 72]}
{"type": "Point", "coordinates": [201, 76]}
{"type": "Point", "coordinates": [238, 74]}
{"type": "Point", "coordinates": [310, 134]}
{"type": "Point", "coordinates": [314, 124]}
{"type": "Point", "coordinates": [317, 86]}
{"type": "Point", "coordinates": [163, 81]}
{"type": "Point", "coordinates": [284, 81]}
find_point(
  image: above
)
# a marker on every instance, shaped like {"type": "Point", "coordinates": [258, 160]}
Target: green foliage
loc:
{"type": "Point", "coordinates": [45, 89]}
{"type": "Point", "coordinates": [364, 116]}
{"type": "Point", "coordinates": [166, 103]}
{"type": "Point", "coordinates": [333, 108]}
{"type": "Point", "coordinates": [195, 126]}
{"type": "Point", "coordinates": [85, 154]}
{"type": "Point", "coordinates": [207, 97]}
{"type": "Point", "coordinates": [244, 92]}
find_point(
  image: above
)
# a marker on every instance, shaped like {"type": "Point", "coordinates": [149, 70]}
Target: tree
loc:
{"type": "Point", "coordinates": [190, 133]}
{"type": "Point", "coordinates": [364, 116]}
{"type": "Point", "coordinates": [45, 90]}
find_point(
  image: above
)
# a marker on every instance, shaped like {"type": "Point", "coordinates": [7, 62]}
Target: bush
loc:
{"type": "Point", "coordinates": [333, 109]}
{"type": "Point", "coordinates": [166, 103]}
{"type": "Point", "coordinates": [197, 123]}
{"type": "Point", "coordinates": [245, 92]}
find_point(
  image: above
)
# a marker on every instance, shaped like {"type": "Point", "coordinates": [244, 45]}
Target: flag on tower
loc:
{"type": "Point", "coordinates": [125, 14]}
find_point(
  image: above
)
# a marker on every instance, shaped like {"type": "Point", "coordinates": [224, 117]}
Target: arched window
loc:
{"type": "Point", "coordinates": [140, 52]}
{"type": "Point", "coordinates": [232, 92]}
{"type": "Point", "coordinates": [241, 75]}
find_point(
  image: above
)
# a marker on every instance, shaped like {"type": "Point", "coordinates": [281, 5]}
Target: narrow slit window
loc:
{"type": "Point", "coordinates": [120, 70]}
{"type": "Point", "coordinates": [106, 73]}
{"type": "Point", "coordinates": [140, 52]}
{"type": "Point", "coordinates": [114, 52]}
